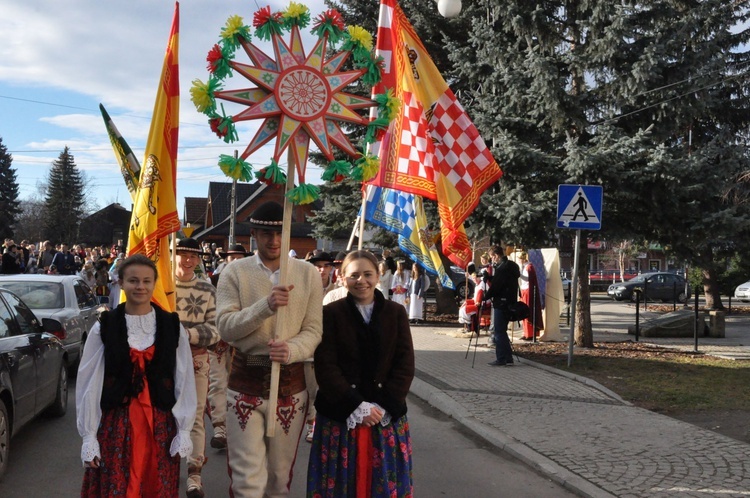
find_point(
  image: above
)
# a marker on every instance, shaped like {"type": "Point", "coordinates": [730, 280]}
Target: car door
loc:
{"type": "Point", "coordinates": [19, 354]}
{"type": "Point", "coordinates": [46, 360]}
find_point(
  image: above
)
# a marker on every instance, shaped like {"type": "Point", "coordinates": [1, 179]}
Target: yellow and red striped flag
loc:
{"type": "Point", "coordinates": [431, 148]}
{"type": "Point", "coordinates": [155, 208]}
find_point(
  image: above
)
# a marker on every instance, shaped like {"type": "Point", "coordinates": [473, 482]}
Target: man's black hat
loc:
{"type": "Point", "coordinates": [323, 256]}
{"type": "Point", "coordinates": [268, 216]}
{"type": "Point", "coordinates": [189, 245]}
{"type": "Point", "coordinates": [339, 258]}
{"type": "Point", "coordinates": [233, 249]}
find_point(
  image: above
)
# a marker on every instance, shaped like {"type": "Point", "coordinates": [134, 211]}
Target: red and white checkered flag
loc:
{"type": "Point", "coordinates": [432, 148]}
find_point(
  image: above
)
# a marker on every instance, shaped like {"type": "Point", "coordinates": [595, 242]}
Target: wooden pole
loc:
{"type": "Point", "coordinates": [362, 220]}
{"type": "Point", "coordinates": [286, 231]}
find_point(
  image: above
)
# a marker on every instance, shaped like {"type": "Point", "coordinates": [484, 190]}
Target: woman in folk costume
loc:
{"type": "Point", "coordinates": [417, 287]}
{"type": "Point", "coordinates": [385, 277]}
{"type": "Point", "coordinates": [364, 365]}
{"type": "Point", "coordinates": [135, 394]}
{"type": "Point", "coordinates": [530, 295]}
{"type": "Point", "coordinates": [400, 283]}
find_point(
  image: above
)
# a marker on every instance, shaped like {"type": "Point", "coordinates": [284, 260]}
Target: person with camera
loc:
{"type": "Point", "coordinates": [504, 293]}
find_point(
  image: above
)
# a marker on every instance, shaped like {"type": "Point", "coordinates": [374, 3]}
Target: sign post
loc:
{"type": "Point", "coordinates": [578, 207]}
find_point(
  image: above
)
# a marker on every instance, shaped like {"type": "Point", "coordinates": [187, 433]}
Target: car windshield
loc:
{"type": "Point", "coordinates": [641, 278]}
{"type": "Point", "coordinates": [38, 295]}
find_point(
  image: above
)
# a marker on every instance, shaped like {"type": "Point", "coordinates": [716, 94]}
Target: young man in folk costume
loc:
{"type": "Point", "coordinates": [195, 299]}
{"type": "Point", "coordinates": [250, 299]}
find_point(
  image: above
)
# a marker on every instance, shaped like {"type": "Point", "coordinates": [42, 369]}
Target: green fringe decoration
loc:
{"type": "Point", "coordinates": [296, 14]}
{"type": "Point", "coordinates": [271, 175]}
{"type": "Point", "coordinates": [336, 171]}
{"type": "Point", "coordinates": [365, 168]}
{"type": "Point", "coordinates": [381, 123]}
{"type": "Point", "coordinates": [304, 194]}
{"type": "Point", "coordinates": [223, 126]}
{"type": "Point", "coordinates": [388, 104]}
{"type": "Point", "coordinates": [237, 169]}
{"type": "Point", "coordinates": [218, 61]}
{"type": "Point", "coordinates": [374, 69]}
{"type": "Point", "coordinates": [330, 23]}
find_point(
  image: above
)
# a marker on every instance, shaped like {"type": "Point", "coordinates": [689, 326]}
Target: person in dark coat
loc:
{"type": "Point", "coordinates": [364, 367]}
{"type": "Point", "coordinates": [503, 291]}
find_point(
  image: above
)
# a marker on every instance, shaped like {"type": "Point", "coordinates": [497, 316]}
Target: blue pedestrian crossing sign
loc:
{"type": "Point", "coordinates": [579, 207]}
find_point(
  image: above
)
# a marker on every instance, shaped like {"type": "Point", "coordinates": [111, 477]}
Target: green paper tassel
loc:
{"type": "Point", "coordinates": [388, 104]}
{"type": "Point", "coordinates": [271, 175]}
{"type": "Point", "coordinates": [218, 59]}
{"type": "Point", "coordinates": [237, 169]}
{"type": "Point", "coordinates": [336, 171]}
{"type": "Point", "coordinates": [381, 123]}
{"type": "Point", "coordinates": [374, 69]}
{"type": "Point", "coordinates": [365, 168]}
{"type": "Point", "coordinates": [329, 23]}
{"type": "Point", "coordinates": [304, 194]}
{"type": "Point", "coordinates": [223, 126]}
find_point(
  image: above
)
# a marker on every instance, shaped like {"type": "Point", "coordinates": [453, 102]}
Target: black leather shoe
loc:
{"type": "Point", "coordinates": [497, 363]}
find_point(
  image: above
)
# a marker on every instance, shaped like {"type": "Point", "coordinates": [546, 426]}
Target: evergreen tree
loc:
{"type": "Point", "coordinates": [9, 204]}
{"type": "Point", "coordinates": [602, 92]}
{"type": "Point", "coordinates": [63, 204]}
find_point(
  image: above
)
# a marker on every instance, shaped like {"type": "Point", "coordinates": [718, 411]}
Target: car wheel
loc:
{"type": "Point", "coordinates": [681, 297]}
{"type": "Point", "coordinates": [4, 438]}
{"type": "Point", "coordinates": [460, 293]}
{"type": "Point", "coordinates": [60, 405]}
{"type": "Point", "coordinates": [633, 296]}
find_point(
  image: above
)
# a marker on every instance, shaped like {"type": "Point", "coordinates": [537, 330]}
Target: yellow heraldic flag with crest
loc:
{"type": "Point", "coordinates": [431, 148]}
{"type": "Point", "coordinates": [155, 208]}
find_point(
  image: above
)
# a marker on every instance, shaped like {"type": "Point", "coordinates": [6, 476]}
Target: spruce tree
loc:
{"type": "Point", "coordinates": [9, 204]}
{"type": "Point", "coordinates": [601, 92]}
{"type": "Point", "coordinates": [63, 204]}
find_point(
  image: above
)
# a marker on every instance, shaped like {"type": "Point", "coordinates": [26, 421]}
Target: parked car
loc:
{"type": "Point", "coordinates": [742, 292]}
{"type": "Point", "coordinates": [67, 299]}
{"type": "Point", "coordinates": [659, 286]}
{"type": "Point", "coordinates": [458, 277]}
{"type": "Point", "coordinates": [33, 370]}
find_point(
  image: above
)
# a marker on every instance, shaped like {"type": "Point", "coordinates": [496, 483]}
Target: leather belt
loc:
{"type": "Point", "coordinates": [251, 375]}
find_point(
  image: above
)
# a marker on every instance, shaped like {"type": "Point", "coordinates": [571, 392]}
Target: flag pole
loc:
{"type": "Point", "coordinates": [286, 231]}
{"type": "Point", "coordinates": [362, 219]}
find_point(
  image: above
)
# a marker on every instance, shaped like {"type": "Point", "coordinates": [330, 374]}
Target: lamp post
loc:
{"type": "Point", "coordinates": [449, 8]}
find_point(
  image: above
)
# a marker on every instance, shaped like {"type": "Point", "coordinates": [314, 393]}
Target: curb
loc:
{"type": "Point", "coordinates": [567, 479]}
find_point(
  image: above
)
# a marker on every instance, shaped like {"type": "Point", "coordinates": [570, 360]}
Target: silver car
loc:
{"type": "Point", "coordinates": [742, 292]}
{"type": "Point", "coordinates": [65, 298]}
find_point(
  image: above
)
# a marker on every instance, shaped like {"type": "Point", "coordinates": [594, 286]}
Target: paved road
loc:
{"type": "Point", "coordinates": [448, 461]}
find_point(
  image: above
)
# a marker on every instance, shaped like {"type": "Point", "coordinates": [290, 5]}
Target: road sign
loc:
{"type": "Point", "coordinates": [579, 207]}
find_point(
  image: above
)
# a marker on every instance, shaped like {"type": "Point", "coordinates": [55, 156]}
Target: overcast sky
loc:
{"type": "Point", "coordinates": [60, 59]}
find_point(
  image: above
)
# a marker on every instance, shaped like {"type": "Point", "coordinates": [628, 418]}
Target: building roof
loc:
{"type": "Point", "coordinates": [195, 210]}
{"type": "Point", "coordinates": [220, 195]}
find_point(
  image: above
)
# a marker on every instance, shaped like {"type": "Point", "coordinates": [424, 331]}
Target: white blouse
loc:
{"type": "Point", "coordinates": [141, 332]}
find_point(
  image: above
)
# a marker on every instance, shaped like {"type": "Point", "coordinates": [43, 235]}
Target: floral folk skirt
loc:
{"type": "Point", "coordinates": [332, 470]}
{"type": "Point", "coordinates": [114, 435]}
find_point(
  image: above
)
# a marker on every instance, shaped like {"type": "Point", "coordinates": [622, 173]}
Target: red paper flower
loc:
{"type": "Point", "coordinates": [215, 127]}
{"type": "Point", "coordinates": [213, 57]}
{"type": "Point", "coordinates": [331, 16]}
{"type": "Point", "coordinates": [262, 16]}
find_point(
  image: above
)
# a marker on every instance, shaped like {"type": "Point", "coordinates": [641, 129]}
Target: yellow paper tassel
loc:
{"type": "Point", "coordinates": [360, 35]}
{"type": "Point", "coordinates": [234, 24]}
{"type": "Point", "coordinates": [200, 94]}
{"type": "Point", "coordinates": [296, 10]}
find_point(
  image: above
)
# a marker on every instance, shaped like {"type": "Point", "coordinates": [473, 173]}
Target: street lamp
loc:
{"type": "Point", "coordinates": [449, 8]}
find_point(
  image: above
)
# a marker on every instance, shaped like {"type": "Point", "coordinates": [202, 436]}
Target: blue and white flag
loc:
{"type": "Point", "coordinates": [403, 213]}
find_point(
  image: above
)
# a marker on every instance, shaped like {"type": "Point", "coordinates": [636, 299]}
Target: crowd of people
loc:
{"type": "Point", "coordinates": [346, 365]}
